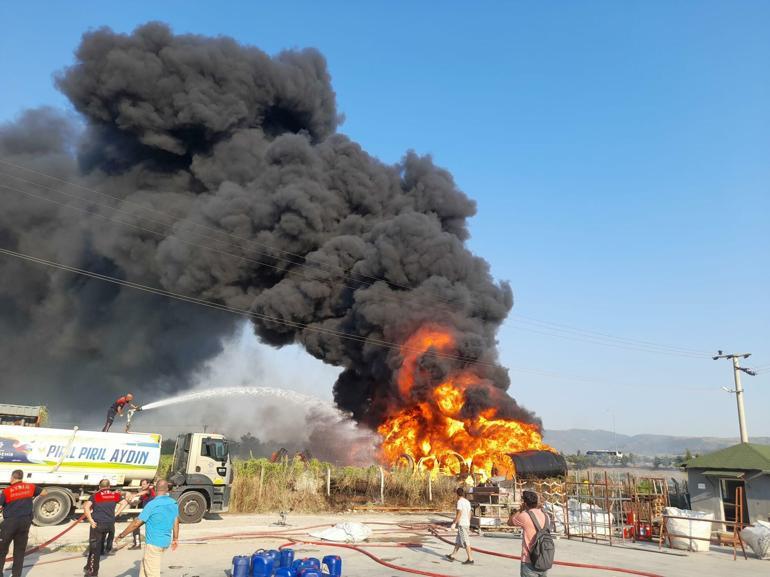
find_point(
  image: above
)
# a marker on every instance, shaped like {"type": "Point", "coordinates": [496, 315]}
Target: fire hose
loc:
{"type": "Point", "coordinates": [36, 548]}
{"type": "Point", "coordinates": [431, 529]}
{"type": "Point", "coordinates": [287, 534]}
{"type": "Point", "coordinates": [561, 563]}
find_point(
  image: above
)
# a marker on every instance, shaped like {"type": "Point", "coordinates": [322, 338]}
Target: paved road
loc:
{"type": "Point", "coordinates": [207, 552]}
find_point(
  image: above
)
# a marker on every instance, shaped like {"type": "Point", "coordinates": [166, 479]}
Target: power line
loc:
{"type": "Point", "coordinates": [166, 234]}
{"type": "Point", "coordinates": [603, 335]}
{"type": "Point", "coordinates": [571, 333]}
{"type": "Point", "coordinates": [303, 262]}
{"type": "Point", "coordinates": [611, 343]}
{"type": "Point", "coordinates": [235, 310]}
{"type": "Point", "coordinates": [252, 314]}
{"type": "Point", "coordinates": [594, 337]}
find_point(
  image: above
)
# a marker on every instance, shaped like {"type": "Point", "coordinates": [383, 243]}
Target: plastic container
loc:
{"type": "Point", "coordinates": [333, 564]}
{"type": "Point", "coordinates": [306, 564]}
{"type": "Point", "coordinates": [287, 557]}
{"type": "Point", "coordinates": [261, 565]}
{"type": "Point", "coordinates": [310, 572]}
{"type": "Point", "coordinates": [275, 555]}
{"type": "Point", "coordinates": [284, 572]}
{"type": "Point", "coordinates": [256, 553]}
{"type": "Point", "coordinates": [241, 565]}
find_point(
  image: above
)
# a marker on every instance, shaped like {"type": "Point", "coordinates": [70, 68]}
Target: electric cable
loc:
{"type": "Point", "coordinates": [165, 234]}
{"type": "Point", "coordinates": [599, 334]}
{"type": "Point", "coordinates": [235, 310]}
{"type": "Point", "coordinates": [595, 336]}
{"type": "Point", "coordinates": [293, 324]}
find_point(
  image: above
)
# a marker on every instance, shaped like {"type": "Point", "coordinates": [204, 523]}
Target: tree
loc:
{"type": "Point", "coordinates": [657, 462]}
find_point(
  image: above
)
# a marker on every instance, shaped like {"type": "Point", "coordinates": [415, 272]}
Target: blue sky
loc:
{"type": "Point", "coordinates": [618, 152]}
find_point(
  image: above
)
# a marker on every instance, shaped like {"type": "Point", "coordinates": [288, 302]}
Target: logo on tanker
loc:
{"type": "Point", "coordinates": [45, 452]}
{"type": "Point", "coordinates": [98, 455]}
{"type": "Point", "coordinates": [14, 451]}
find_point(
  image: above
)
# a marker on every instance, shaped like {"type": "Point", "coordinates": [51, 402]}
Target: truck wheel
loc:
{"type": "Point", "coordinates": [192, 507]}
{"type": "Point", "coordinates": [51, 508]}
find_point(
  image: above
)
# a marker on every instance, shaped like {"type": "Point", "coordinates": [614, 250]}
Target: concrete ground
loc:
{"type": "Point", "coordinates": [208, 548]}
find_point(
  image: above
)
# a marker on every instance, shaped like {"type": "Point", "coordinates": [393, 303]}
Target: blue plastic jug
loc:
{"type": "Point", "coordinates": [241, 566]}
{"type": "Point", "coordinates": [275, 555]}
{"type": "Point", "coordinates": [287, 557]}
{"type": "Point", "coordinates": [284, 572]}
{"type": "Point", "coordinates": [333, 565]}
{"type": "Point", "coordinates": [307, 564]}
{"type": "Point", "coordinates": [261, 565]}
{"type": "Point", "coordinates": [257, 553]}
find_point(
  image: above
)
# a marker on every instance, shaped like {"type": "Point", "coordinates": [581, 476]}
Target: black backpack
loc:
{"type": "Point", "coordinates": [542, 550]}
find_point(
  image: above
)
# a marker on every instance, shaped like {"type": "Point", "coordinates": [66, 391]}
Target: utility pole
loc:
{"type": "Point", "coordinates": [738, 391]}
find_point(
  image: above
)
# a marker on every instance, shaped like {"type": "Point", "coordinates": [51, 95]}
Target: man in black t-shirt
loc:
{"type": "Point", "coordinates": [16, 501]}
{"type": "Point", "coordinates": [101, 510]}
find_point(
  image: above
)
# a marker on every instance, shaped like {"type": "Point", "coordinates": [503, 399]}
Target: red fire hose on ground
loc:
{"type": "Point", "coordinates": [36, 548]}
{"type": "Point", "coordinates": [561, 563]}
{"type": "Point", "coordinates": [289, 534]}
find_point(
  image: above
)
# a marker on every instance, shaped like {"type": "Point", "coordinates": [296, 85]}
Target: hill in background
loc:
{"type": "Point", "coordinates": [571, 441]}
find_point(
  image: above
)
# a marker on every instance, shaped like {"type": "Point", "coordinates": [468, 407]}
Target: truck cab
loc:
{"type": "Point", "coordinates": [201, 474]}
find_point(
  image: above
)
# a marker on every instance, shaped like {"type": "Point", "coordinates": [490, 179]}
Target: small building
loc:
{"type": "Point", "coordinates": [23, 415]}
{"type": "Point", "coordinates": [714, 478]}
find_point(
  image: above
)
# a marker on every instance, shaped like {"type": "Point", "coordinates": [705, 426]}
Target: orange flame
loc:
{"type": "Point", "coordinates": [433, 428]}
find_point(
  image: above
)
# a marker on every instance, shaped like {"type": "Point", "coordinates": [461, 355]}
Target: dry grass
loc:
{"type": "Point", "coordinates": [260, 486]}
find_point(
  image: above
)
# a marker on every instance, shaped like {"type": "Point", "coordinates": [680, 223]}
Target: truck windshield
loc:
{"type": "Point", "coordinates": [215, 449]}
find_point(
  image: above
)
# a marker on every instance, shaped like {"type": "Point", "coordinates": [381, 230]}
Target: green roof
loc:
{"type": "Point", "coordinates": [744, 456]}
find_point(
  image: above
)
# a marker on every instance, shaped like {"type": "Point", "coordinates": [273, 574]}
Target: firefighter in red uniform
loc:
{"type": "Point", "coordinates": [101, 510]}
{"type": "Point", "coordinates": [16, 502]}
{"type": "Point", "coordinates": [116, 409]}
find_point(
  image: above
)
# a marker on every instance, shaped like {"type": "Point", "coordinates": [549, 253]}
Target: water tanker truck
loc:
{"type": "Point", "coordinates": [69, 463]}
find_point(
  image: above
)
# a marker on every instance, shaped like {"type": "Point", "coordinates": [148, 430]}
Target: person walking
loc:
{"type": "Point", "coordinates": [145, 495]}
{"type": "Point", "coordinates": [463, 523]}
{"type": "Point", "coordinates": [161, 520]}
{"type": "Point", "coordinates": [16, 501]}
{"type": "Point", "coordinates": [101, 510]}
{"type": "Point", "coordinates": [536, 543]}
{"type": "Point", "coordinates": [116, 409]}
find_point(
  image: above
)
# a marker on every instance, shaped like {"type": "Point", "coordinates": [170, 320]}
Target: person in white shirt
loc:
{"type": "Point", "coordinates": [463, 523]}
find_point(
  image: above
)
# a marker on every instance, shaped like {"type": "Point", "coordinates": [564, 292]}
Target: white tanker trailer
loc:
{"type": "Point", "coordinates": [69, 463]}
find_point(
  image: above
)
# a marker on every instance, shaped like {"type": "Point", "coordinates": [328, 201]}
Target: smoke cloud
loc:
{"type": "Point", "coordinates": [230, 183]}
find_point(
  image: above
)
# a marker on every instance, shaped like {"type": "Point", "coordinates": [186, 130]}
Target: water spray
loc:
{"type": "Point", "coordinates": [283, 394]}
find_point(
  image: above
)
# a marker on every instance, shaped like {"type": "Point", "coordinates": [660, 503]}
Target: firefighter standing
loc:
{"type": "Point", "coordinates": [116, 409]}
{"type": "Point", "coordinates": [101, 510]}
{"type": "Point", "coordinates": [16, 501]}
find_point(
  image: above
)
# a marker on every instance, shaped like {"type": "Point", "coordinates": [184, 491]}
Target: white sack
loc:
{"type": "Point", "coordinates": [347, 532]}
{"type": "Point", "coordinates": [695, 525]}
{"type": "Point", "coordinates": [758, 538]}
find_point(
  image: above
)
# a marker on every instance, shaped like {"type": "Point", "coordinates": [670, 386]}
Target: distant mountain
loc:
{"type": "Point", "coordinates": [573, 440]}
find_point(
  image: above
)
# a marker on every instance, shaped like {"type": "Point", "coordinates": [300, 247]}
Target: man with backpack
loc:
{"type": "Point", "coordinates": [537, 547]}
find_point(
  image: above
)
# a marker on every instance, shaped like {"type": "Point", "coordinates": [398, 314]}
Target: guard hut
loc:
{"type": "Point", "coordinates": [714, 479]}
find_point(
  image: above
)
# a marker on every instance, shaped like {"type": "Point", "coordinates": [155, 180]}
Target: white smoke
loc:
{"type": "Point", "coordinates": [252, 389]}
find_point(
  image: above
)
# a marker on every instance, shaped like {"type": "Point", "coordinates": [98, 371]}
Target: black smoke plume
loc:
{"type": "Point", "coordinates": [229, 182]}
